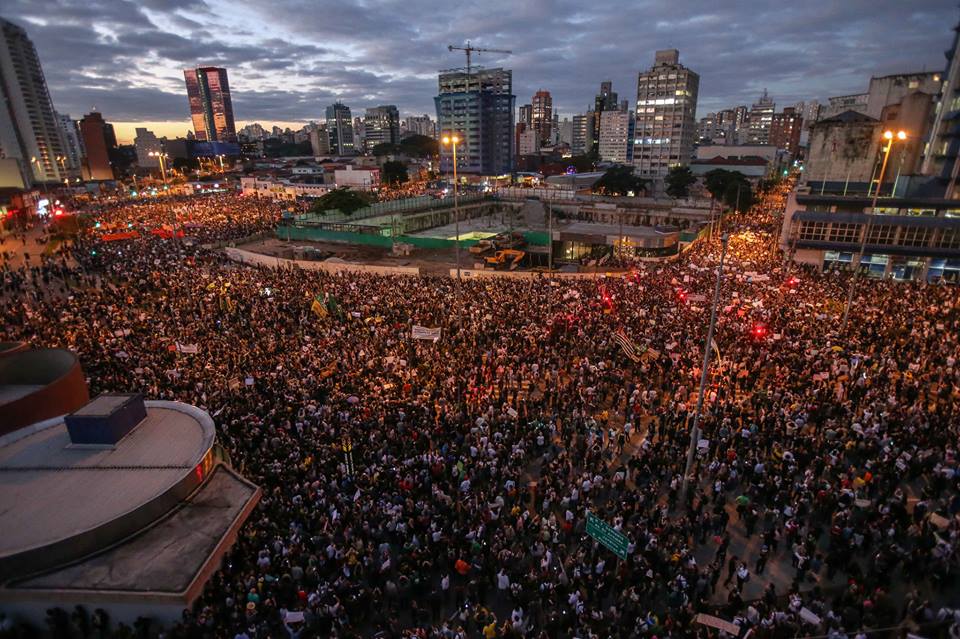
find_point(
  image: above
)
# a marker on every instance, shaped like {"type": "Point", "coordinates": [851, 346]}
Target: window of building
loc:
{"type": "Point", "coordinates": [914, 236]}
{"type": "Point", "coordinates": [882, 234]}
{"type": "Point", "coordinates": [813, 231]}
{"type": "Point", "coordinates": [843, 232]}
{"type": "Point", "coordinates": [949, 239]}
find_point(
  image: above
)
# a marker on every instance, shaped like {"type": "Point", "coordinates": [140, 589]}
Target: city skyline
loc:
{"type": "Point", "coordinates": [127, 59]}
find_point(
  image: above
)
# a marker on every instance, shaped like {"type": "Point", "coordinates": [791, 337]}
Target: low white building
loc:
{"type": "Point", "coordinates": [280, 188]}
{"type": "Point", "coordinates": [363, 179]}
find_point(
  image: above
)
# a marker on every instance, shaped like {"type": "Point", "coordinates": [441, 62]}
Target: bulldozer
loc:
{"type": "Point", "coordinates": [508, 258]}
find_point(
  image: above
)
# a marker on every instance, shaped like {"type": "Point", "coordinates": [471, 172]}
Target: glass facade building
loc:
{"type": "Point", "coordinates": [211, 108]}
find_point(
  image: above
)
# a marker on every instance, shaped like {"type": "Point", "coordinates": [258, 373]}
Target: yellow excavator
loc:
{"type": "Point", "coordinates": [507, 258]}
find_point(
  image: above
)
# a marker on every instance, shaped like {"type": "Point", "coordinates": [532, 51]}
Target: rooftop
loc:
{"type": "Point", "coordinates": [57, 498]}
{"type": "Point", "coordinates": [169, 555]}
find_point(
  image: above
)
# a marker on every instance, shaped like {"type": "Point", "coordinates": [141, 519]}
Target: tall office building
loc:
{"type": "Point", "coordinates": [480, 110]}
{"type": "Point", "coordinates": [29, 132]}
{"type": "Point", "coordinates": [381, 125]}
{"type": "Point", "coordinates": [320, 141]}
{"type": "Point", "coordinates": [146, 142]}
{"type": "Point", "coordinates": [541, 116]}
{"type": "Point", "coordinates": [340, 129]}
{"type": "Point", "coordinates": [72, 145]}
{"type": "Point", "coordinates": [665, 126]}
{"type": "Point", "coordinates": [616, 128]}
{"type": "Point", "coordinates": [581, 134]}
{"type": "Point", "coordinates": [761, 119]}
{"type": "Point", "coordinates": [785, 130]}
{"type": "Point", "coordinates": [606, 100]}
{"type": "Point", "coordinates": [211, 108]}
{"type": "Point", "coordinates": [100, 142]}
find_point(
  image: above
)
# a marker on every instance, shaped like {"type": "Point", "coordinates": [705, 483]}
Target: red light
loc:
{"type": "Point", "coordinates": [793, 281]}
{"type": "Point", "coordinates": [681, 295]}
{"type": "Point", "coordinates": [759, 331]}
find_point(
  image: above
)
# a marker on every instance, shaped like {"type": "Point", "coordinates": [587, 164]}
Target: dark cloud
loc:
{"type": "Point", "coordinates": [288, 59]}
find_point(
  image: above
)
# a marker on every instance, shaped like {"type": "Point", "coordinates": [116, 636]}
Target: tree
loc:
{"type": "Point", "coordinates": [342, 199]}
{"type": "Point", "coordinates": [723, 186]}
{"type": "Point", "coordinates": [619, 180]}
{"type": "Point", "coordinates": [744, 200]}
{"type": "Point", "coordinates": [419, 146]}
{"type": "Point", "coordinates": [394, 173]}
{"type": "Point", "coordinates": [679, 179]}
{"type": "Point", "coordinates": [385, 148]}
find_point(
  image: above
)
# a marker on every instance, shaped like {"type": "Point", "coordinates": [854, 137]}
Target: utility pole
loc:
{"type": "Point", "coordinates": [695, 429]}
{"type": "Point", "coordinates": [549, 236]}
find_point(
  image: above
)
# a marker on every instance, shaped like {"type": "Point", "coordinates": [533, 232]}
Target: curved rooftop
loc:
{"type": "Point", "coordinates": [60, 501]}
{"type": "Point", "coordinates": [38, 384]}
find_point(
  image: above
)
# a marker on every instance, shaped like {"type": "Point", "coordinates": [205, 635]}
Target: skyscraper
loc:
{"type": "Point", "coordinates": [606, 100]}
{"type": "Point", "coordinates": [785, 130]}
{"type": "Point", "coordinates": [382, 125]}
{"type": "Point", "coordinates": [211, 108]}
{"type": "Point", "coordinates": [29, 131]}
{"type": "Point", "coordinates": [665, 126]}
{"type": "Point", "coordinates": [526, 115]}
{"type": "Point", "coordinates": [99, 141]}
{"type": "Point", "coordinates": [761, 118]}
{"type": "Point", "coordinates": [340, 129]}
{"type": "Point", "coordinates": [72, 145]}
{"type": "Point", "coordinates": [480, 110]}
{"type": "Point", "coordinates": [581, 134]}
{"type": "Point", "coordinates": [541, 115]}
{"type": "Point", "coordinates": [616, 127]}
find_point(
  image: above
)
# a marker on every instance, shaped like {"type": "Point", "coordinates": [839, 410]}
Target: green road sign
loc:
{"type": "Point", "coordinates": [606, 535]}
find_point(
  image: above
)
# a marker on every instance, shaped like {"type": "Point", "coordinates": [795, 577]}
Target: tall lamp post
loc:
{"type": "Point", "coordinates": [890, 137]}
{"type": "Point", "coordinates": [163, 167]}
{"type": "Point", "coordinates": [695, 429]}
{"type": "Point", "coordinates": [453, 140]}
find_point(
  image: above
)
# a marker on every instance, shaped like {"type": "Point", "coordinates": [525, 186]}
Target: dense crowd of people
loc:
{"type": "Point", "coordinates": [824, 494]}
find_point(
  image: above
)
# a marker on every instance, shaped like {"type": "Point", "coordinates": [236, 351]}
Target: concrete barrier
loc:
{"type": "Point", "coordinates": [257, 259]}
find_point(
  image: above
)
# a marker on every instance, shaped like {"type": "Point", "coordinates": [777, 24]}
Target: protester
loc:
{"type": "Point", "coordinates": [824, 489]}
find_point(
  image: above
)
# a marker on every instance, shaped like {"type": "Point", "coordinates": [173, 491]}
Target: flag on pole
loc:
{"type": "Point", "coordinates": [626, 344]}
{"type": "Point", "coordinates": [319, 308]}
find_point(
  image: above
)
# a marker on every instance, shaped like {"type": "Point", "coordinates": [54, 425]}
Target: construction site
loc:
{"type": "Point", "coordinates": [513, 230]}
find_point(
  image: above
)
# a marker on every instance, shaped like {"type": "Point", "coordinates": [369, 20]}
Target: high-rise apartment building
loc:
{"type": "Point", "coordinates": [359, 134]}
{"type": "Point", "coordinates": [480, 110]}
{"type": "Point", "coordinates": [606, 100]}
{"type": "Point", "coordinates": [525, 116]}
{"type": "Point", "coordinates": [616, 129]}
{"type": "Point", "coordinates": [320, 141]}
{"type": "Point", "coordinates": [211, 108]}
{"type": "Point", "coordinates": [100, 142]}
{"type": "Point", "coordinates": [145, 143]}
{"type": "Point", "coordinates": [421, 125]}
{"type": "Point", "coordinates": [565, 131]}
{"type": "Point", "coordinates": [72, 145]}
{"type": "Point", "coordinates": [581, 142]}
{"type": "Point", "coordinates": [785, 130]}
{"type": "Point", "coordinates": [761, 119]}
{"type": "Point", "coordinates": [665, 125]}
{"type": "Point", "coordinates": [340, 129]}
{"type": "Point", "coordinates": [381, 125]}
{"type": "Point", "coordinates": [541, 116]}
{"type": "Point", "coordinates": [29, 130]}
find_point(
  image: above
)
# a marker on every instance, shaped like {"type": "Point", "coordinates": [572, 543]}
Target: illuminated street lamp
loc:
{"type": "Point", "coordinates": [890, 137]}
{"type": "Point", "coordinates": [453, 140]}
{"type": "Point", "coordinates": [163, 168]}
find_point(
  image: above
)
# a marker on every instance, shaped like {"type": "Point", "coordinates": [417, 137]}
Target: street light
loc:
{"type": "Point", "coordinates": [890, 137]}
{"type": "Point", "coordinates": [160, 156]}
{"type": "Point", "coordinates": [695, 429]}
{"type": "Point", "coordinates": [453, 140]}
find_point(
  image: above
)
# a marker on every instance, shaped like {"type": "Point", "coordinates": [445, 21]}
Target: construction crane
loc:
{"type": "Point", "coordinates": [470, 49]}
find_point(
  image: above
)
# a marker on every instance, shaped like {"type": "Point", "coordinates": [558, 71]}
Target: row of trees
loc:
{"type": "Point", "coordinates": [730, 187]}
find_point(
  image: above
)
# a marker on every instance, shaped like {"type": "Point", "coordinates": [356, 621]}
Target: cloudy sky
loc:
{"type": "Point", "coordinates": [288, 59]}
